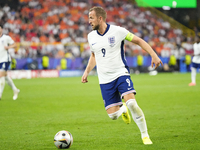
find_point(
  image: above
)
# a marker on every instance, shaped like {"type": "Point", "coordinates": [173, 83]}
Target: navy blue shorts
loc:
{"type": "Point", "coordinates": [195, 65]}
{"type": "Point", "coordinates": [4, 66]}
{"type": "Point", "coordinates": [113, 92]}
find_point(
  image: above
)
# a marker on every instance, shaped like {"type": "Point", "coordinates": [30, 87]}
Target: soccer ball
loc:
{"type": "Point", "coordinates": [63, 139]}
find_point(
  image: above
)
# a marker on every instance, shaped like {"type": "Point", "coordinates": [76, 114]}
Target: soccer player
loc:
{"type": "Point", "coordinates": [107, 46]}
{"type": "Point", "coordinates": [195, 62]}
{"type": "Point", "coordinates": [6, 42]}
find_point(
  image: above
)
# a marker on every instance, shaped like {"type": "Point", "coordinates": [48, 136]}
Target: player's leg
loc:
{"type": "Point", "coordinates": [2, 77]}
{"type": "Point", "coordinates": [112, 100]}
{"type": "Point", "coordinates": [138, 117]}
{"type": "Point", "coordinates": [2, 83]}
{"type": "Point", "coordinates": [10, 82]}
{"type": "Point", "coordinates": [12, 85]}
{"type": "Point", "coordinates": [128, 93]}
{"type": "Point", "coordinates": [193, 74]}
{"type": "Point", "coordinates": [115, 112]}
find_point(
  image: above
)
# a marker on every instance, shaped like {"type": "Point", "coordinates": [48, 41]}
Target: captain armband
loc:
{"type": "Point", "coordinates": [129, 36]}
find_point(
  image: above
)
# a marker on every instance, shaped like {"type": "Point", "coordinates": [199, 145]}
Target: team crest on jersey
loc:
{"type": "Point", "coordinates": [111, 40]}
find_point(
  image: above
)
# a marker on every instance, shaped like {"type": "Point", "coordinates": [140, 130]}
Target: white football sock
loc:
{"type": "Point", "coordinates": [118, 113]}
{"type": "Point", "coordinates": [193, 74]}
{"type": "Point", "coordinates": [10, 83]}
{"type": "Point", "coordinates": [2, 85]}
{"type": "Point", "coordinates": [138, 117]}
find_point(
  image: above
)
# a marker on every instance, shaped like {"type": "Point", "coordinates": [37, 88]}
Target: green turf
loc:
{"type": "Point", "coordinates": [46, 106]}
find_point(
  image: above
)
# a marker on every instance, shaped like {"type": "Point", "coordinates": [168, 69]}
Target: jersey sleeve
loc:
{"type": "Point", "coordinates": [123, 32]}
{"type": "Point", "coordinates": [89, 42]}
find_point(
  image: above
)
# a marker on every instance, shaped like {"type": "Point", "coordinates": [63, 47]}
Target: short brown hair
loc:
{"type": "Point", "coordinates": [99, 12]}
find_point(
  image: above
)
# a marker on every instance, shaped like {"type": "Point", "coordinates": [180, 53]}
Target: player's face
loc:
{"type": "Point", "coordinates": [93, 20]}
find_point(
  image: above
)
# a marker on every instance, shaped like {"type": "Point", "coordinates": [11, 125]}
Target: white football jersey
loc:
{"type": "Point", "coordinates": [196, 47]}
{"type": "Point", "coordinates": [5, 40]}
{"type": "Point", "coordinates": [109, 53]}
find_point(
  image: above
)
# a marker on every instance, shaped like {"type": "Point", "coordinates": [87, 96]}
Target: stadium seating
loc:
{"type": "Point", "coordinates": [48, 27]}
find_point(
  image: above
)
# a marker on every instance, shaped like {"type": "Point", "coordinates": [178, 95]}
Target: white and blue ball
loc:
{"type": "Point", "coordinates": [63, 139]}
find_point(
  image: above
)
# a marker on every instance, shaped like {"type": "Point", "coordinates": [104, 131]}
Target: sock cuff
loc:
{"type": "Point", "coordinates": [130, 101]}
{"type": "Point", "coordinates": [114, 115]}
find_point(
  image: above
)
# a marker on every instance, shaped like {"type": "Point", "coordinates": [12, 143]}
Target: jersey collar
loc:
{"type": "Point", "coordinates": [108, 26]}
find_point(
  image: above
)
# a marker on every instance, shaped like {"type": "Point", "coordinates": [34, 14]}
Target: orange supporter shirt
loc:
{"type": "Point", "coordinates": [63, 35]}
{"type": "Point", "coordinates": [17, 38]}
{"type": "Point", "coordinates": [55, 19]}
{"type": "Point", "coordinates": [11, 34]}
{"type": "Point", "coordinates": [85, 17]}
{"type": "Point", "coordinates": [30, 26]}
{"type": "Point", "coordinates": [24, 26]}
{"type": "Point", "coordinates": [158, 50]}
{"type": "Point", "coordinates": [134, 30]}
{"type": "Point", "coordinates": [18, 21]}
{"type": "Point", "coordinates": [63, 26]}
{"type": "Point", "coordinates": [43, 38]}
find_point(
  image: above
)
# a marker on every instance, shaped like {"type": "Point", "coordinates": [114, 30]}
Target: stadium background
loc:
{"type": "Point", "coordinates": [58, 29]}
{"type": "Point", "coordinates": [48, 105]}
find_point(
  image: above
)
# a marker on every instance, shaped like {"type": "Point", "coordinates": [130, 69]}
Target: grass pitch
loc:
{"type": "Point", "coordinates": [46, 106]}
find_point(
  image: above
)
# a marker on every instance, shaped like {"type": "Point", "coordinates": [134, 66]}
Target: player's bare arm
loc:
{"type": "Point", "coordinates": [10, 46]}
{"type": "Point", "coordinates": [90, 66]}
{"type": "Point", "coordinates": [145, 46]}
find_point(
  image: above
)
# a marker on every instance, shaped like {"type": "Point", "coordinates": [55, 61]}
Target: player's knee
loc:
{"type": "Point", "coordinates": [132, 104]}
{"type": "Point", "coordinates": [134, 108]}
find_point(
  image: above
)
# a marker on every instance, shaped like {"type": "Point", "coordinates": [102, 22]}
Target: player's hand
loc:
{"type": "Point", "coordinates": [156, 61]}
{"type": "Point", "coordinates": [6, 47]}
{"type": "Point", "coordinates": [84, 78]}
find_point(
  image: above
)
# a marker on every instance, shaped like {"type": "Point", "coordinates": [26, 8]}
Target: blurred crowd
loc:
{"type": "Point", "coordinates": [59, 28]}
